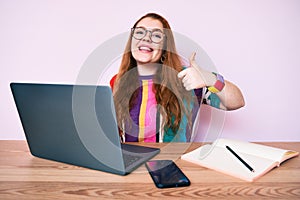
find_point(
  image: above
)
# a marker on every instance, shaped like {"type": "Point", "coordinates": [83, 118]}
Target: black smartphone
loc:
{"type": "Point", "coordinates": [166, 174]}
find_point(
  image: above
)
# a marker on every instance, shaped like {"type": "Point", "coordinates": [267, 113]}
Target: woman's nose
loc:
{"type": "Point", "coordinates": [147, 37]}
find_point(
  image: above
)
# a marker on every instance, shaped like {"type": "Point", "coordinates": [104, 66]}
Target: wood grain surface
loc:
{"type": "Point", "coordinates": [23, 176]}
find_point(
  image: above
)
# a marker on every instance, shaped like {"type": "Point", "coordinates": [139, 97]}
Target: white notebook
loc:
{"type": "Point", "coordinates": [260, 158]}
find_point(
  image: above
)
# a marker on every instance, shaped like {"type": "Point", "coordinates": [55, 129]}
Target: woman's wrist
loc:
{"type": "Point", "coordinates": [218, 84]}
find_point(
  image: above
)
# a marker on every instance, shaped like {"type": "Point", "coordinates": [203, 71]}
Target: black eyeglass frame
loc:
{"type": "Point", "coordinates": [146, 31]}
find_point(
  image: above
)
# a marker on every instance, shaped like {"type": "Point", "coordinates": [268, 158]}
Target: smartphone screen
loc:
{"type": "Point", "coordinates": [166, 174]}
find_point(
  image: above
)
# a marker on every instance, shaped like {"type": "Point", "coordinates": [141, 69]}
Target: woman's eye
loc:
{"type": "Point", "coordinates": [139, 32]}
{"type": "Point", "coordinates": [157, 35]}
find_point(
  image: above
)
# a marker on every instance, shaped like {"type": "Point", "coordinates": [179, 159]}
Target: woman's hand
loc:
{"type": "Point", "coordinates": [195, 77]}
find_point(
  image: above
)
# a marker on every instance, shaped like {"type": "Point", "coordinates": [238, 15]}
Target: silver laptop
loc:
{"type": "Point", "coordinates": [76, 124]}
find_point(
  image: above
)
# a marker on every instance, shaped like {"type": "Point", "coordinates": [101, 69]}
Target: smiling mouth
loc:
{"type": "Point", "coordinates": [145, 49]}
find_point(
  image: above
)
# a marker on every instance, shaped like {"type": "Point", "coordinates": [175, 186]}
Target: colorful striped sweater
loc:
{"type": "Point", "coordinates": [147, 123]}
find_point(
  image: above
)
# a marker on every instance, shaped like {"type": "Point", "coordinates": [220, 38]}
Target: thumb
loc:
{"type": "Point", "coordinates": [192, 60]}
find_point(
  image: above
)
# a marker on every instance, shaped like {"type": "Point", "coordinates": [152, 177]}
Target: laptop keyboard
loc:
{"type": "Point", "coordinates": [134, 156]}
{"type": "Point", "coordinates": [130, 159]}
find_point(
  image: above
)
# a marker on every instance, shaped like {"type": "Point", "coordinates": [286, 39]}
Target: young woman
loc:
{"type": "Point", "coordinates": [156, 97]}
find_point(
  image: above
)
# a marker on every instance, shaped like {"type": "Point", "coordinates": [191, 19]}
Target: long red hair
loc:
{"type": "Point", "coordinates": [169, 91]}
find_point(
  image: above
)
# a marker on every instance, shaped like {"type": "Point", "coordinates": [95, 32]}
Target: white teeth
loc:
{"type": "Point", "coordinates": [145, 48]}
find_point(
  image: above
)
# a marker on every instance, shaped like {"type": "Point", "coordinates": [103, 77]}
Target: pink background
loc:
{"type": "Point", "coordinates": [253, 43]}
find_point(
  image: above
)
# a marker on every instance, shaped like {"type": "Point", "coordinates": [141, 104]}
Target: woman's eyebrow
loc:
{"type": "Point", "coordinates": [151, 29]}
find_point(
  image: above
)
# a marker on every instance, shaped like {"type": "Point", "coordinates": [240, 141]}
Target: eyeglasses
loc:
{"type": "Point", "coordinates": [156, 35]}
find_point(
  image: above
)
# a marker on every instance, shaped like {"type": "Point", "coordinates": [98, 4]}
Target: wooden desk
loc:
{"type": "Point", "coordinates": [23, 176]}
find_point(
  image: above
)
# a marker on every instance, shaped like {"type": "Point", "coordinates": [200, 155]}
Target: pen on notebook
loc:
{"type": "Point", "coordinates": [240, 159]}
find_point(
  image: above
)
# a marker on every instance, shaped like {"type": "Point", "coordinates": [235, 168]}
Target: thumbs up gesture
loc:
{"type": "Point", "coordinates": [195, 77]}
